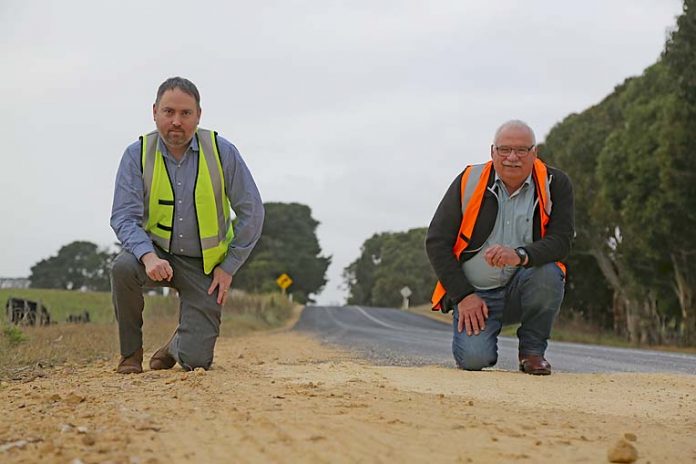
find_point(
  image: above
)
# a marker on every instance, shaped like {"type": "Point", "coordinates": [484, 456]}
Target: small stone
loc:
{"type": "Point", "coordinates": [65, 428]}
{"type": "Point", "coordinates": [89, 439]}
{"type": "Point", "coordinates": [623, 452]}
{"type": "Point", "coordinates": [73, 398]}
{"type": "Point", "coordinates": [471, 403]}
{"type": "Point", "coordinates": [82, 429]}
{"type": "Point", "coordinates": [199, 371]}
{"type": "Point", "coordinates": [54, 397]}
{"type": "Point", "coordinates": [630, 436]}
{"type": "Point", "coordinates": [15, 444]}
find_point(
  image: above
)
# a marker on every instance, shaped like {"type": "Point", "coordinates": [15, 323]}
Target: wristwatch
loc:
{"type": "Point", "coordinates": [522, 254]}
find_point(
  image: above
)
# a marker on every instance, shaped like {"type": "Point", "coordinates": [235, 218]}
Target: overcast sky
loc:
{"type": "Point", "coordinates": [363, 110]}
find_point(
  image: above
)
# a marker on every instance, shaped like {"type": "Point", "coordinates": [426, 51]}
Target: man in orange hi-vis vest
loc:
{"type": "Point", "coordinates": [496, 243]}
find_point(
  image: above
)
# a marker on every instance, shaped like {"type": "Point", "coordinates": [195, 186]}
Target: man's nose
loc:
{"type": "Point", "coordinates": [176, 121]}
{"type": "Point", "coordinates": [514, 153]}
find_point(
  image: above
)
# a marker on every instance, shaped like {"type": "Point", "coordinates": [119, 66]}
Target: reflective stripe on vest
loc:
{"type": "Point", "coordinates": [212, 204]}
{"type": "Point", "coordinates": [472, 198]}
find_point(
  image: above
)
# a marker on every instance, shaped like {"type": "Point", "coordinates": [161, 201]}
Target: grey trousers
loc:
{"type": "Point", "coordinates": [199, 313]}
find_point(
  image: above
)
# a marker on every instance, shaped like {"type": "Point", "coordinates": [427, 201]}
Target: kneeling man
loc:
{"type": "Point", "coordinates": [495, 243]}
{"type": "Point", "coordinates": [175, 190]}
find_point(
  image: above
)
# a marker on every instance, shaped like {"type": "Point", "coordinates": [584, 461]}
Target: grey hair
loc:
{"type": "Point", "coordinates": [182, 84]}
{"type": "Point", "coordinates": [514, 124]}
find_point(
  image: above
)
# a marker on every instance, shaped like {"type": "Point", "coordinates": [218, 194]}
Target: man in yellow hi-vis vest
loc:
{"type": "Point", "coordinates": [175, 190]}
{"type": "Point", "coordinates": [495, 243]}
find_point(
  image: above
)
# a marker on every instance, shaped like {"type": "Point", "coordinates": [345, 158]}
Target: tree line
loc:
{"type": "Point", "coordinates": [288, 245]}
{"type": "Point", "coordinates": [630, 157]}
{"type": "Point", "coordinates": [633, 266]}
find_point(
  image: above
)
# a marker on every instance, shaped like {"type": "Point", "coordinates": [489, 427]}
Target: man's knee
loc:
{"type": "Point", "coordinates": [124, 266]}
{"type": "Point", "coordinates": [546, 283]}
{"type": "Point", "coordinates": [473, 360]}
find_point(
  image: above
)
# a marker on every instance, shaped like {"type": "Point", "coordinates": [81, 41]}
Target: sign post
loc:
{"type": "Point", "coordinates": [284, 281]}
{"type": "Point", "coordinates": [405, 293]}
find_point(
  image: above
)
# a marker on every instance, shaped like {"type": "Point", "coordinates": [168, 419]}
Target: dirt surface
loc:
{"type": "Point", "coordinates": [283, 397]}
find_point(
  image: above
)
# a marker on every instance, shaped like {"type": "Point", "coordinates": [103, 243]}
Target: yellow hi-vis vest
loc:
{"type": "Point", "coordinates": [212, 205]}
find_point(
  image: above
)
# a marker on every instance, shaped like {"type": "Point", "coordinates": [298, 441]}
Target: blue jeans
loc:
{"type": "Point", "coordinates": [532, 297]}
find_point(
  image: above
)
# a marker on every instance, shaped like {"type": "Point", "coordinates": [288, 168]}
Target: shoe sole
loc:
{"type": "Point", "coordinates": [535, 371]}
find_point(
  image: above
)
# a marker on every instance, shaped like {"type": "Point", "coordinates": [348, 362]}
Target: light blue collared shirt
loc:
{"type": "Point", "coordinates": [513, 228]}
{"type": "Point", "coordinates": [127, 210]}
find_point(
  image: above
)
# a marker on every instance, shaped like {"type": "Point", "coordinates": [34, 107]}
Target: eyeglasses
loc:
{"type": "Point", "coordinates": [521, 152]}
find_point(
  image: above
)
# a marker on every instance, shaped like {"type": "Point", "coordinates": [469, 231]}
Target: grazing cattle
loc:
{"type": "Point", "coordinates": [83, 317]}
{"type": "Point", "coordinates": [26, 312]}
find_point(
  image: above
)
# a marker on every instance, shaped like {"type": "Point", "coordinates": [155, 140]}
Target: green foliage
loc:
{"type": "Point", "coordinates": [631, 161]}
{"type": "Point", "coordinates": [288, 244]}
{"type": "Point", "coordinates": [13, 335]}
{"type": "Point", "coordinates": [389, 261]}
{"type": "Point", "coordinates": [78, 265]}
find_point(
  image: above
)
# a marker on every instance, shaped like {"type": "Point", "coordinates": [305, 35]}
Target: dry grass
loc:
{"type": "Point", "coordinates": [26, 351]}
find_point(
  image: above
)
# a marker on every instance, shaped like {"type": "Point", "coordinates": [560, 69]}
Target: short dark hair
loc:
{"type": "Point", "coordinates": [182, 84]}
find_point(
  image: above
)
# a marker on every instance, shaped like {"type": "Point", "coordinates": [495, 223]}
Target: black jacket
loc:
{"type": "Point", "coordinates": [444, 228]}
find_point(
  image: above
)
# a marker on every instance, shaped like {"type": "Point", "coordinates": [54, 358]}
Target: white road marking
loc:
{"type": "Point", "coordinates": [374, 319]}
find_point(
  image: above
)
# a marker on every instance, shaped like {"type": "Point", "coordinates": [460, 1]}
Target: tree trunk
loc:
{"type": "Point", "coordinates": [621, 304]}
{"type": "Point", "coordinates": [684, 288]}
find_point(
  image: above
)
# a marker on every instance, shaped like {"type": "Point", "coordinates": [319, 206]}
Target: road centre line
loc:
{"type": "Point", "coordinates": [374, 319]}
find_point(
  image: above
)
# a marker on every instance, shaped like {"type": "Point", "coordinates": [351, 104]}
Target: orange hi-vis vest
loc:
{"type": "Point", "coordinates": [472, 198]}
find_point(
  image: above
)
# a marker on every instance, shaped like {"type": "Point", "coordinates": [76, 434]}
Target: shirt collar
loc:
{"type": "Point", "coordinates": [499, 182]}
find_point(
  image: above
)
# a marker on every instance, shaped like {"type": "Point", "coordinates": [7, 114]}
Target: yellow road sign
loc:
{"type": "Point", "coordinates": [284, 281]}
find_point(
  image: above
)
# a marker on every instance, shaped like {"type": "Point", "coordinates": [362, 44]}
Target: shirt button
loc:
{"type": "Point", "coordinates": [178, 183]}
{"type": "Point", "coordinates": [181, 219]}
{"type": "Point", "coordinates": [180, 201]}
{"type": "Point", "coordinates": [181, 235]}
{"type": "Point", "coordinates": [181, 250]}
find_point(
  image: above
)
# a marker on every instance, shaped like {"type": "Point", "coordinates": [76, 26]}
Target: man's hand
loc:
{"type": "Point", "coordinates": [499, 256]}
{"type": "Point", "coordinates": [222, 280]}
{"type": "Point", "coordinates": [157, 269]}
{"type": "Point", "coordinates": [473, 313]}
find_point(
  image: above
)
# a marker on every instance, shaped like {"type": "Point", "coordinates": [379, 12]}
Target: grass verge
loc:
{"type": "Point", "coordinates": [25, 352]}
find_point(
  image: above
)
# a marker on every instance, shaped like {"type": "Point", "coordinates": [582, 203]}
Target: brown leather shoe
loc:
{"type": "Point", "coordinates": [132, 364]}
{"type": "Point", "coordinates": [534, 364]}
{"type": "Point", "coordinates": [162, 359]}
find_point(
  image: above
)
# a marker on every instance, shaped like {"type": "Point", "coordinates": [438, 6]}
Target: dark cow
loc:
{"type": "Point", "coordinates": [26, 312]}
{"type": "Point", "coordinates": [79, 318]}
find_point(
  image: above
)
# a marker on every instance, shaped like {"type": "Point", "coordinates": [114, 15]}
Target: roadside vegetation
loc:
{"type": "Point", "coordinates": [568, 328]}
{"type": "Point", "coordinates": [26, 351]}
{"type": "Point", "coordinates": [631, 271]}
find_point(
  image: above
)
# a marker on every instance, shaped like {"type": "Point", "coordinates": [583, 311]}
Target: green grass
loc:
{"type": "Point", "coordinates": [26, 351]}
{"type": "Point", "coordinates": [62, 303]}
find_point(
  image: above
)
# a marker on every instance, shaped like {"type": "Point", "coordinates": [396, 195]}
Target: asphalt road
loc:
{"type": "Point", "coordinates": [392, 337]}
